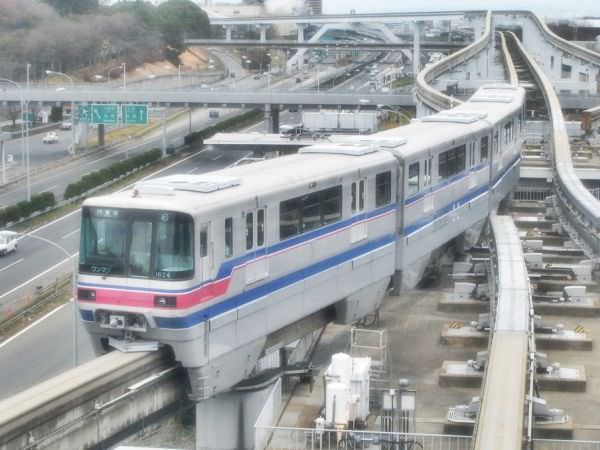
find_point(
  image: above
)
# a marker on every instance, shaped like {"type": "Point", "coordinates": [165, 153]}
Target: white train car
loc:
{"type": "Point", "coordinates": [227, 266]}
{"type": "Point", "coordinates": [457, 166]}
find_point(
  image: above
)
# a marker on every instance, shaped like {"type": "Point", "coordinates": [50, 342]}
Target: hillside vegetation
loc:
{"type": "Point", "coordinates": [70, 35]}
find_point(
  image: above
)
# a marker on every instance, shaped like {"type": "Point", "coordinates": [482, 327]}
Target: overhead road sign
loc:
{"type": "Point", "coordinates": [134, 114]}
{"type": "Point", "coordinates": [85, 113]}
{"type": "Point", "coordinates": [105, 114]}
{"type": "Point", "coordinates": [99, 113]}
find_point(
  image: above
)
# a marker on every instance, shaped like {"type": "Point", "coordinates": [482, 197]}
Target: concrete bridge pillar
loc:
{"type": "Point", "coordinates": [301, 27]}
{"type": "Point", "coordinates": [228, 29]}
{"type": "Point", "coordinates": [417, 27]}
{"type": "Point", "coordinates": [227, 420]}
{"type": "Point", "coordinates": [263, 32]}
{"type": "Point", "coordinates": [271, 115]}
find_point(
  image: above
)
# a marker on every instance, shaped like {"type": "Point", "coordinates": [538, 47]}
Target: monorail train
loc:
{"type": "Point", "coordinates": [228, 266]}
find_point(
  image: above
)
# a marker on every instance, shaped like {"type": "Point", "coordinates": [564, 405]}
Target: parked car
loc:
{"type": "Point", "coordinates": [8, 242]}
{"type": "Point", "coordinates": [66, 125]}
{"type": "Point", "coordinates": [50, 138]}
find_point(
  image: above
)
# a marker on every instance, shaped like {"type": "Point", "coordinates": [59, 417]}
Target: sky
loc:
{"type": "Point", "coordinates": [554, 8]}
{"type": "Point", "coordinates": [546, 8]}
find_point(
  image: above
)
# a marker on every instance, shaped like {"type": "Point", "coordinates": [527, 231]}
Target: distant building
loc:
{"type": "Point", "coordinates": [314, 7]}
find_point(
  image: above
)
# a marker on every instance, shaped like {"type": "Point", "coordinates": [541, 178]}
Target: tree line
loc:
{"type": "Point", "coordinates": [71, 35]}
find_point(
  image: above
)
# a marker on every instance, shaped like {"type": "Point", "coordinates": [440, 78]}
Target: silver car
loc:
{"type": "Point", "coordinates": [8, 242]}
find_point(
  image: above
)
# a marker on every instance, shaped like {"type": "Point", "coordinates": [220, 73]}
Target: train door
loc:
{"type": "Point", "coordinates": [471, 162]}
{"type": "Point", "coordinates": [206, 251]}
{"type": "Point", "coordinates": [427, 181]}
{"type": "Point", "coordinates": [358, 197]}
{"type": "Point", "coordinates": [258, 267]}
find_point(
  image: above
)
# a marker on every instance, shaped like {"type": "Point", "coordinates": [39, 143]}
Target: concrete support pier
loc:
{"type": "Point", "coordinates": [226, 421]}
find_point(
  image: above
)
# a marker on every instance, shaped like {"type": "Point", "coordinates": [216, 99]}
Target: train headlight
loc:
{"type": "Point", "coordinates": [88, 295]}
{"type": "Point", "coordinates": [165, 301]}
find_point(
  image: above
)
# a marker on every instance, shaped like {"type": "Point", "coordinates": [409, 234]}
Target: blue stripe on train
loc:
{"type": "Point", "coordinates": [270, 287]}
{"type": "Point", "coordinates": [227, 267]}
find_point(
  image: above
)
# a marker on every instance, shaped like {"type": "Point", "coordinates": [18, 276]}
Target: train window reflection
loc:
{"type": "Point", "coordinates": [309, 212]}
{"type": "Point", "coordinates": [228, 237]}
{"type": "Point", "coordinates": [139, 252]}
{"type": "Point", "coordinates": [413, 178]}
{"type": "Point", "coordinates": [383, 188]}
{"type": "Point", "coordinates": [136, 243]}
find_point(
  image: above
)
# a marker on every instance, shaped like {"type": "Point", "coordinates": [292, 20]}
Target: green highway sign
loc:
{"type": "Point", "coordinates": [134, 114]}
{"type": "Point", "coordinates": [107, 114]}
{"type": "Point", "coordinates": [85, 113]}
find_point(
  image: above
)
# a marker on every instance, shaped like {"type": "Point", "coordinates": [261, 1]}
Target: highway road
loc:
{"type": "Point", "coordinates": [46, 350]}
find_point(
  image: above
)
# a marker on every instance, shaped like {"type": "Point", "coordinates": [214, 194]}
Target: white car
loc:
{"type": "Point", "coordinates": [66, 125]}
{"type": "Point", "coordinates": [50, 138]}
{"type": "Point", "coordinates": [8, 242]}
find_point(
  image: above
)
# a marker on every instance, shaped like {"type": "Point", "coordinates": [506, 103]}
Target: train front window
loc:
{"type": "Point", "coordinates": [174, 249]}
{"type": "Point", "coordinates": [140, 244]}
{"type": "Point", "coordinates": [103, 242]}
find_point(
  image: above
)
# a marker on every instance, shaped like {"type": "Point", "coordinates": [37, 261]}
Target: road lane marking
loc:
{"type": "Point", "coordinates": [49, 189]}
{"type": "Point", "coordinates": [70, 234]}
{"type": "Point", "coordinates": [25, 330]}
{"type": "Point", "coordinates": [192, 170]}
{"type": "Point", "coordinates": [10, 265]}
{"type": "Point", "coordinates": [41, 274]}
{"type": "Point", "coordinates": [217, 157]}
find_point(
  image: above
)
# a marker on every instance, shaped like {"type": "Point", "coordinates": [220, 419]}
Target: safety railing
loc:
{"type": "Point", "coordinates": [580, 209]}
{"type": "Point", "coordinates": [282, 438]}
{"type": "Point", "coordinates": [435, 99]}
{"type": "Point", "coordinates": [548, 444]}
{"type": "Point", "coordinates": [507, 62]}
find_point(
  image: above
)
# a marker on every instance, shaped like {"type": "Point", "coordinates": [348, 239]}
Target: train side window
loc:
{"type": "Point", "coordinates": [451, 162]}
{"type": "Point", "coordinates": [260, 227]}
{"type": "Point", "coordinates": [289, 218]}
{"type": "Point", "coordinates": [361, 195]}
{"type": "Point", "coordinates": [483, 150]}
{"type": "Point", "coordinates": [495, 143]}
{"type": "Point", "coordinates": [353, 197]}
{"type": "Point", "coordinates": [413, 179]}
{"type": "Point", "coordinates": [228, 237]}
{"type": "Point", "coordinates": [471, 154]}
{"type": "Point", "coordinates": [331, 201]}
{"type": "Point", "coordinates": [383, 188]}
{"type": "Point", "coordinates": [311, 212]}
{"type": "Point", "coordinates": [203, 241]}
{"type": "Point", "coordinates": [249, 230]}
{"type": "Point", "coordinates": [428, 163]}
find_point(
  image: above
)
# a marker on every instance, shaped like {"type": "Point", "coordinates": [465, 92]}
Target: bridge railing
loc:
{"type": "Point", "coordinates": [509, 66]}
{"type": "Point", "coordinates": [427, 93]}
{"type": "Point", "coordinates": [567, 46]}
{"type": "Point", "coordinates": [580, 209]}
{"type": "Point", "coordinates": [284, 438]}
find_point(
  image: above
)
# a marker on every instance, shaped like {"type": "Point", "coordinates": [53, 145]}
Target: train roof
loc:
{"type": "Point", "coordinates": [188, 193]}
{"type": "Point", "coordinates": [489, 105]}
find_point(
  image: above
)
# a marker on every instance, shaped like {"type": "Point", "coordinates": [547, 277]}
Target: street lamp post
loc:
{"type": "Point", "coordinates": [24, 135]}
{"type": "Point", "coordinates": [73, 289]}
{"type": "Point", "coordinates": [52, 72]}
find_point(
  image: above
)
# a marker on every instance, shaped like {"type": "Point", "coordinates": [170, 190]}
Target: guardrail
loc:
{"type": "Point", "coordinates": [509, 65]}
{"type": "Point", "coordinates": [435, 99]}
{"type": "Point", "coordinates": [500, 419]}
{"type": "Point", "coordinates": [284, 438]}
{"type": "Point", "coordinates": [563, 44]}
{"type": "Point", "coordinates": [580, 209]}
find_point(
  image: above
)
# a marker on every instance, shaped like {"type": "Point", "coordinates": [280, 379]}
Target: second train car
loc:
{"type": "Point", "coordinates": [227, 266]}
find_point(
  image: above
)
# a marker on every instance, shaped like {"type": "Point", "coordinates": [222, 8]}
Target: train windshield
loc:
{"type": "Point", "coordinates": [138, 244]}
